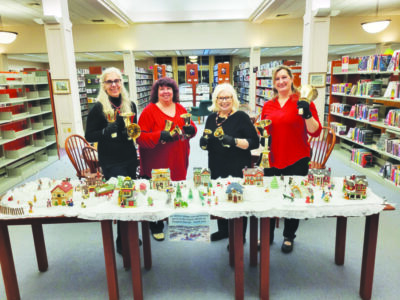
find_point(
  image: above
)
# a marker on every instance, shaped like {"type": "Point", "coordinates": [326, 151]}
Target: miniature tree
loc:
{"type": "Point", "coordinates": [274, 183]}
{"type": "Point", "coordinates": [190, 196]}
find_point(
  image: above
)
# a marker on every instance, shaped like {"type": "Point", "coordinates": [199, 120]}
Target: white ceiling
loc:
{"type": "Point", "coordinates": [23, 12]}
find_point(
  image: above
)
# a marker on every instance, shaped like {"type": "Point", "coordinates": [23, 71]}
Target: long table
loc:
{"type": "Point", "coordinates": [253, 208]}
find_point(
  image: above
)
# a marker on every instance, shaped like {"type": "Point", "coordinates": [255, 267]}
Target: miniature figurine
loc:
{"type": "Point", "coordinates": [150, 201]}
{"type": "Point", "coordinates": [274, 183]}
{"type": "Point", "coordinates": [30, 207]}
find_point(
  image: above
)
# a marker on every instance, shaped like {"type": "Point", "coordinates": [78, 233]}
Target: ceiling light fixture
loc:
{"type": "Point", "coordinates": [178, 52]}
{"type": "Point", "coordinates": [234, 51]}
{"type": "Point", "coordinates": [149, 53]}
{"type": "Point", "coordinates": [375, 26]}
{"type": "Point", "coordinates": [111, 7]}
{"type": "Point", "coordinates": [206, 52]}
{"type": "Point", "coordinates": [7, 37]}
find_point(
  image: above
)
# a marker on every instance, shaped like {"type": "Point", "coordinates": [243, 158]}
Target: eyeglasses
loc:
{"type": "Point", "coordinates": [221, 99]}
{"type": "Point", "coordinates": [111, 82]}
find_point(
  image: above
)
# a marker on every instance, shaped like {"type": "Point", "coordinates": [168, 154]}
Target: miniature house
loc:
{"type": "Point", "coordinates": [127, 193]}
{"type": "Point", "coordinates": [253, 176]}
{"type": "Point", "coordinates": [235, 192]}
{"type": "Point", "coordinates": [205, 176]}
{"type": "Point", "coordinates": [355, 187]}
{"type": "Point", "coordinates": [61, 193]}
{"type": "Point", "coordinates": [160, 179]}
{"type": "Point", "coordinates": [197, 175]}
{"type": "Point", "coordinates": [94, 180]}
{"type": "Point", "coordinates": [319, 177]}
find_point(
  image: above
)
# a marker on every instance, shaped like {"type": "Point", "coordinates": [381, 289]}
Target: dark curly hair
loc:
{"type": "Point", "coordinates": [165, 81]}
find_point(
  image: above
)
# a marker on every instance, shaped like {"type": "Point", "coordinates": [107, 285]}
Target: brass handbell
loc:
{"type": "Point", "coordinates": [206, 134]}
{"type": "Point", "coordinates": [172, 132]}
{"type": "Point", "coordinates": [132, 129]}
{"type": "Point", "coordinates": [111, 116]}
{"type": "Point", "coordinates": [264, 163]}
{"type": "Point", "coordinates": [187, 118]}
{"type": "Point", "coordinates": [219, 134]}
{"type": "Point", "coordinates": [308, 93]}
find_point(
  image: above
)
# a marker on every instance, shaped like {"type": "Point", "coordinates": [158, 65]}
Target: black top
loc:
{"type": "Point", "coordinates": [224, 161]}
{"type": "Point", "coordinates": [111, 151]}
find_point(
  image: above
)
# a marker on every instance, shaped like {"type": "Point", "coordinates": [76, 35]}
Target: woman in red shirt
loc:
{"type": "Point", "coordinates": [289, 147]}
{"type": "Point", "coordinates": [157, 148]}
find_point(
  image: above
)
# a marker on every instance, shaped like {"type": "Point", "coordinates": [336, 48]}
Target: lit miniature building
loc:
{"type": "Point", "coordinates": [61, 193]}
{"type": "Point", "coordinates": [103, 190]}
{"type": "Point", "coordinates": [205, 176]}
{"type": "Point", "coordinates": [160, 179]}
{"type": "Point", "coordinates": [253, 176]}
{"type": "Point", "coordinates": [197, 175]}
{"type": "Point", "coordinates": [355, 187]}
{"type": "Point", "coordinates": [94, 180]}
{"type": "Point", "coordinates": [127, 194]}
{"type": "Point", "coordinates": [235, 192]}
{"type": "Point", "coordinates": [320, 177]}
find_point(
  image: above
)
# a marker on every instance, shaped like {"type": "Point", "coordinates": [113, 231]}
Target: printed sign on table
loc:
{"type": "Point", "coordinates": [189, 227]}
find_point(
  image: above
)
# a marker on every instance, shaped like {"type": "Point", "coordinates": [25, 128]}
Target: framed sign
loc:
{"type": "Point", "coordinates": [61, 86]}
{"type": "Point", "coordinates": [317, 79]}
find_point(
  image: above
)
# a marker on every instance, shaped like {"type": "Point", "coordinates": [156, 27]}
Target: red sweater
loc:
{"type": "Point", "coordinates": [154, 155]}
{"type": "Point", "coordinates": [288, 132]}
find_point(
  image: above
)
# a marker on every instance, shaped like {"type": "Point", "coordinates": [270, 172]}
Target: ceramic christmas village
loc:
{"type": "Point", "coordinates": [123, 192]}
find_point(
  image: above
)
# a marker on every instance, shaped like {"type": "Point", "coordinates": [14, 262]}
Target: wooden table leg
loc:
{"type": "Point", "coordinates": [368, 259]}
{"type": "Point", "coordinates": [109, 258]}
{"type": "Point", "coordinates": [135, 259]}
{"type": "Point", "coordinates": [125, 244]}
{"type": "Point", "coordinates": [7, 264]}
{"type": "Point", "coordinates": [239, 268]}
{"type": "Point", "coordinates": [231, 242]}
{"type": "Point", "coordinates": [40, 247]}
{"type": "Point", "coordinates": [340, 245]}
{"type": "Point", "coordinates": [146, 245]}
{"type": "Point", "coordinates": [253, 241]}
{"type": "Point", "coordinates": [264, 258]}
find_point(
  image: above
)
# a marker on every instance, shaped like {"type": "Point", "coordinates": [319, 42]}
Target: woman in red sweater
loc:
{"type": "Point", "coordinates": [157, 148]}
{"type": "Point", "coordinates": [289, 147]}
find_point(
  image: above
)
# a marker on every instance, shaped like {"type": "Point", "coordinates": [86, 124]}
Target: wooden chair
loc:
{"type": "Point", "coordinates": [321, 148]}
{"type": "Point", "coordinates": [74, 145]}
{"type": "Point", "coordinates": [91, 158]}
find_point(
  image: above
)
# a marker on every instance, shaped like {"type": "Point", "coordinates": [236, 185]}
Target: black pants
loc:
{"type": "Point", "coordinates": [299, 168]}
{"type": "Point", "coordinates": [223, 226]}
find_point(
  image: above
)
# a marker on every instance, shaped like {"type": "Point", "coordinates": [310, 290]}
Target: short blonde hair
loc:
{"type": "Point", "coordinates": [227, 87]}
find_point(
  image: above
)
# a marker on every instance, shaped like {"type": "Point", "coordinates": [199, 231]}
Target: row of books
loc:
{"type": "Point", "coordinates": [393, 90]}
{"type": "Point", "coordinates": [358, 111]}
{"type": "Point", "coordinates": [362, 157]}
{"type": "Point", "coordinates": [393, 118]}
{"type": "Point", "coordinates": [338, 128]}
{"type": "Point", "coordinates": [392, 146]}
{"type": "Point", "coordinates": [377, 62]}
{"type": "Point", "coordinates": [360, 135]}
{"type": "Point", "coordinates": [364, 87]}
{"type": "Point", "coordinates": [264, 83]}
{"type": "Point", "coordinates": [391, 172]}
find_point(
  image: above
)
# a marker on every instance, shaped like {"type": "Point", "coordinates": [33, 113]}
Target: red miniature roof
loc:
{"type": "Point", "coordinates": [65, 186]}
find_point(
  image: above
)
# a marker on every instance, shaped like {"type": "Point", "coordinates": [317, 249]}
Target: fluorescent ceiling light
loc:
{"type": "Point", "coordinates": [149, 53]}
{"type": "Point", "coordinates": [206, 52]}
{"type": "Point", "coordinates": [376, 26]}
{"type": "Point", "coordinates": [193, 57]}
{"type": "Point", "coordinates": [234, 51]}
{"type": "Point", "coordinates": [7, 37]}
{"type": "Point", "coordinates": [114, 10]}
{"type": "Point", "coordinates": [178, 52]}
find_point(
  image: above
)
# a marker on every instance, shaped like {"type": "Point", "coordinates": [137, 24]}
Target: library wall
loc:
{"type": "Point", "coordinates": [19, 65]}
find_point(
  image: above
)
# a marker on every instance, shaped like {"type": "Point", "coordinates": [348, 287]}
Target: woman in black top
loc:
{"type": "Point", "coordinates": [231, 154]}
{"type": "Point", "coordinates": [117, 152]}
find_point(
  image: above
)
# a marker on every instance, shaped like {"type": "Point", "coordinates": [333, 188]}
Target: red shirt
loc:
{"type": "Point", "coordinates": [154, 155]}
{"type": "Point", "coordinates": [288, 131]}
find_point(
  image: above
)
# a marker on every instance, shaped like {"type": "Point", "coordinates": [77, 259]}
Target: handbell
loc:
{"type": "Point", "coordinates": [168, 125]}
{"type": "Point", "coordinates": [206, 133]}
{"type": "Point", "coordinates": [187, 118]}
{"type": "Point", "coordinates": [308, 93]}
{"type": "Point", "coordinates": [219, 133]}
{"type": "Point", "coordinates": [111, 115]}
{"type": "Point", "coordinates": [132, 129]}
{"type": "Point", "coordinates": [261, 126]}
{"type": "Point", "coordinates": [264, 163]}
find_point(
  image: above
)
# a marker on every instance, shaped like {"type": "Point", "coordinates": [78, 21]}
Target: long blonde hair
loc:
{"type": "Point", "coordinates": [103, 96]}
{"type": "Point", "coordinates": [227, 88]}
